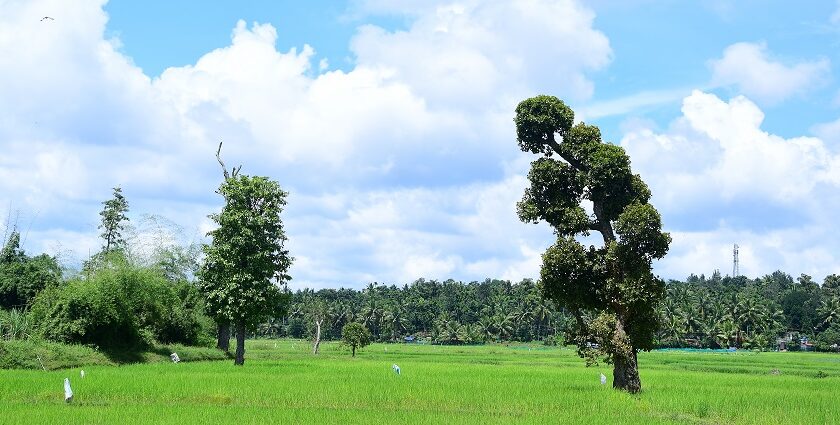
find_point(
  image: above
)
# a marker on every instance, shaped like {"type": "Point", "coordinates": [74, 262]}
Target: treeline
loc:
{"type": "Point", "coordinates": [446, 312]}
{"type": "Point", "coordinates": [128, 297]}
{"type": "Point", "coordinates": [752, 313]}
{"type": "Point", "coordinates": [713, 312]}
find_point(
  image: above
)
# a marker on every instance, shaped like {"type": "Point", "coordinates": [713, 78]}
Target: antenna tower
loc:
{"type": "Point", "coordinates": [735, 271]}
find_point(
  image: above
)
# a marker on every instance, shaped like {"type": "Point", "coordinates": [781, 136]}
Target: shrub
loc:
{"type": "Point", "coordinates": [355, 335]}
{"type": "Point", "coordinates": [118, 306]}
{"type": "Point", "coordinates": [22, 276]}
{"type": "Point", "coordinates": [829, 339]}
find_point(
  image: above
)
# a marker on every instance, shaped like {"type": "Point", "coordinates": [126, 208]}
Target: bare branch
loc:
{"type": "Point", "coordinates": [219, 158]}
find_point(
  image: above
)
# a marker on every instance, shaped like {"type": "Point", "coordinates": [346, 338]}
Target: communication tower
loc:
{"type": "Point", "coordinates": [735, 271]}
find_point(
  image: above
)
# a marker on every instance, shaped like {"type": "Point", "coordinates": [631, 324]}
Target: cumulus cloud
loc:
{"type": "Point", "coordinates": [470, 52]}
{"type": "Point", "coordinates": [403, 166]}
{"type": "Point", "coordinates": [719, 179]}
{"type": "Point", "coordinates": [750, 67]}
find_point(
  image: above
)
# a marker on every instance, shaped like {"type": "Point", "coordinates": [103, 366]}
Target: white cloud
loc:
{"type": "Point", "coordinates": [830, 131]}
{"type": "Point", "coordinates": [750, 67]}
{"type": "Point", "coordinates": [633, 103]}
{"type": "Point", "coordinates": [476, 52]}
{"type": "Point", "coordinates": [769, 194]}
{"type": "Point", "coordinates": [403, 166]}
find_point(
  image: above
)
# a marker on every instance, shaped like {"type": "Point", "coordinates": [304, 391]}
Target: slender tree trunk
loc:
{"type": "Point", "coordinates": [240, 344]}
{"type": "Point", "coordinates": [223, 337]}
{"type": "Point", "coordinates": [354, 350]}
{"type": "Point", "coordinates": [317, 343]}
{"type": "Point", "coordinates": [625, 362]}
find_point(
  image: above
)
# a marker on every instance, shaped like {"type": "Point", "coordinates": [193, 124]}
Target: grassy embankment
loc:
{"type": "Point", "coordinates": [283, 383]}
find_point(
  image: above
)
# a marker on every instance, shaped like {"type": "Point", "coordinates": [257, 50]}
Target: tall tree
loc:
{"type": "Point", "coordinates": [610, 289]}
{"type": "Point", "coordinates": [113, 221]}
{"type": "Point", "coordinates": [246, 262]}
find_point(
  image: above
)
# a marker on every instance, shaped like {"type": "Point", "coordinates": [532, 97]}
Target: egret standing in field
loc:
{"type": "Point", "coordinates": [82, 373]}
{"type": "Point", "coordinates": [68, 392]}
{"type": "Point", "coordinates": [396, 369]}
{"type": "Point", "coordinates": [603, 379]}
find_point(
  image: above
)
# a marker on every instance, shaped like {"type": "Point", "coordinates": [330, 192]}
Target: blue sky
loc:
{"type": "Point", "coordinates": [391, 124]}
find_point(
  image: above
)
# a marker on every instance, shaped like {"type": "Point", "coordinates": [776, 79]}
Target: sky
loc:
{"type": "Point", "coordinates": [390, 124]}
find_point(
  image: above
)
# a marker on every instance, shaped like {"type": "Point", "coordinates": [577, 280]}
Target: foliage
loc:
{"type": "Point", "coordinates": [113, 218]}
{"type": "Point", "coordinates": [246, 260]}
{"type": "Point", "coordinates": [119, 306]}
{"type": "Point", "coordinates": [829, 340]}
{"type": "Point", "coordinates": [355, 335]}
{"type": "Point", "coordinates": [610, 290]}
{"type": "Point", "coordinates": [448, 312]}
{"type": "Point", "coordinates": [15, 325]}
{"type": "Point", "coordinates": [22, 276]}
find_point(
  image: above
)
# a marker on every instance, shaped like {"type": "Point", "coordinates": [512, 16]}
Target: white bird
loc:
{"type": "Point", "coordinates": [396, 369]}
{"type": "Point", "coordinates": [603, 379]}
{"type": "Point", "coordinates": [82, 373]}
{"type": "Point", "coordinates": [68, 392]}
{"type": "Point", "coordinates": [174, 357]}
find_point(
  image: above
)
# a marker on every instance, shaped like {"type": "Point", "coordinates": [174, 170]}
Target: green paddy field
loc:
{"type": "Point", "coordinates": [282, 382]}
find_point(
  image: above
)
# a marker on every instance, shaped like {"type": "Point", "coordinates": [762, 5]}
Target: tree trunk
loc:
{"type": "Point", "coordinates": [223, 337]}
{"type": "Point", "coordinates": [353, 347]}
{"type": "Point", "coordinates": [317, 342]}
{"type": "Point", "coordinates": [625, 362]}
{"type": "Point", "coordinates": [240, 344]}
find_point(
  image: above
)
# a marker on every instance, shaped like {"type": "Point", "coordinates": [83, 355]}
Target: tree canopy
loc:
{"type": "Point", "coordinates": [22, 277]}
{"type": "Point", "coordinates": [246, 261]}
{"type": "Point", "coordinates": [355, 335]}
{"type": "Point", "coordinates": [610, 290]}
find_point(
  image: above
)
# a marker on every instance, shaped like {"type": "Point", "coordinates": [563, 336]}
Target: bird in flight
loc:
{"type": "Point", "coordinates": [47, 18]}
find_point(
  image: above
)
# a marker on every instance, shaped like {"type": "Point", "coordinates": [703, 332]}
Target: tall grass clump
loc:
{"type": "Point", "coordinates": [15, 325]}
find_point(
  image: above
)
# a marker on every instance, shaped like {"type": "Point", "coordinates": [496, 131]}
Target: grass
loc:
{"type": "Point", "coordinates": [282, 382]}
{"type": "Point", "coordinates": [35, 354]}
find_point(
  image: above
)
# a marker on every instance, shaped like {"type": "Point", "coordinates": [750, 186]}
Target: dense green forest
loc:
{"type": "Point", "coordinates": [713, 312]}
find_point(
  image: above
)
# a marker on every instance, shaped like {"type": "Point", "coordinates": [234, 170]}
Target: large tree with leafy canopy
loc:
{"type": "Point", "coordinates": [609, 289]}
{"type": "Point", "coordinates": [246, 262]}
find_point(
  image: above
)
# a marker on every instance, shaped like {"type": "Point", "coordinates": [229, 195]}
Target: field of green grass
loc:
{"type": "Point", "coordinates": [282, 382]}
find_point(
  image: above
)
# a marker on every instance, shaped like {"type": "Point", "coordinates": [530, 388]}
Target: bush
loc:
{"type": "Point", "coordinates": [355, 335]}
{"type": "Point", "coordinates": [118, 306]}
{"type": "Point", "coordinates": [554, 340]}
{"type": "Point", "coordinates": [22, 276]}
{"type": "Point", "coordinates": [829, 339]}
